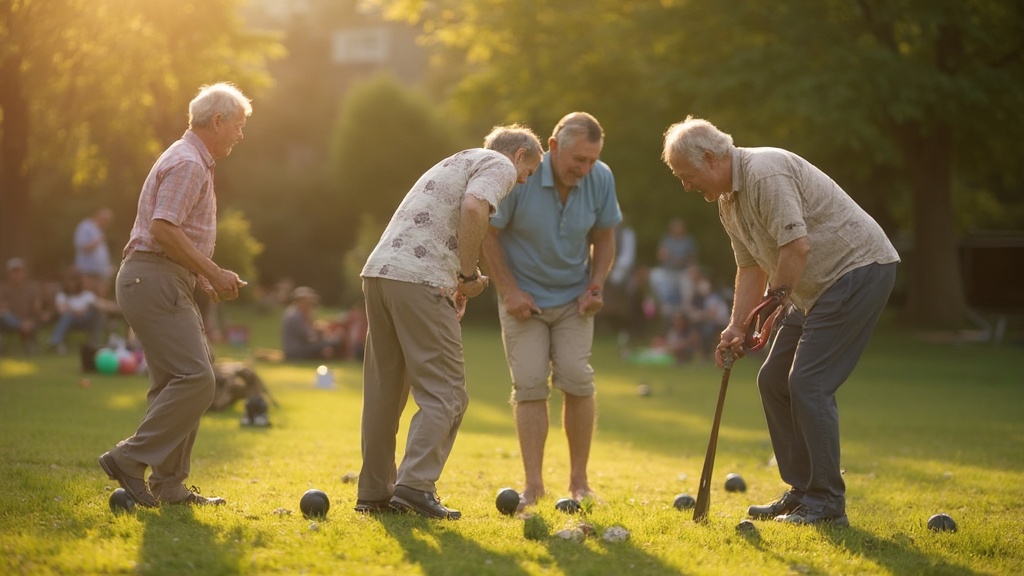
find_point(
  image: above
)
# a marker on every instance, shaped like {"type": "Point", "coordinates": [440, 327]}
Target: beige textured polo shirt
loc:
{"type": "Point", "coordinates": [779, 197]}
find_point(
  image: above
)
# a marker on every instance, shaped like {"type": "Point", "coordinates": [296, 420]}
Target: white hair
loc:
{"type": "Point", "coordinates": [221, 98]}
{"type": "Point", "coordinates": [692, 137]}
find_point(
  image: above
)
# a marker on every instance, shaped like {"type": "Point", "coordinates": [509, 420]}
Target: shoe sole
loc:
{"type": "Point", "coordinates": [838, 522]}
{"type": "Point", "coordinates": [401, 504]}
{"type": "Point", "coordinates": [114, 473]}
{"type": "Point", "coordinates": [374, 508]}
{"type": "Point", "coordinates": [769, 516]}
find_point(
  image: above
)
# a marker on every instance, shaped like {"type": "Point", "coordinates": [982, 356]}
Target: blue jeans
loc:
{"type": "Point", "coordinates": [90, 322]}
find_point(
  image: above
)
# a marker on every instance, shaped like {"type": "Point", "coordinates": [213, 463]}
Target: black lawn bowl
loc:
{"type": "Point", "coordinates": [569, 506]}
{"type": "Point", "coordinates": [314, 504]}
{"type": "Point", "coordinates": [942, 523]}
{"type": "Point", "coordinates": [507, 501]}
{"type": "Point", "coordinates": [121, 502]}
{"type": "Point", "coordinates": [684, 502]}
{"type": "Point", "coordinates": [735, 483]}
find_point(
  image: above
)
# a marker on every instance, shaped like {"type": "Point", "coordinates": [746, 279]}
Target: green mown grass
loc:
{"type": "Point", "coordinates": [926, 428]}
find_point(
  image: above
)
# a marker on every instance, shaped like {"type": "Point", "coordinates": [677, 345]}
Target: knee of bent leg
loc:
{"type": "Point", "coordinates": [772, 378]}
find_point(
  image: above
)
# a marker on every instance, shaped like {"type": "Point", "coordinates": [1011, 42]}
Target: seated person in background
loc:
{"type": "Point", "coordinates": [21, 305]}
{"type": "Point", "coordinates": [78, 308]}
{"type": "Point", "coordinates": [303, 337]}
{"type": "Point", "coordinates": [354, 333]}
{"type": "Point", "coordinates": [709, 312]}
{"type": "Point", "coordinates": [682, 339]}
{"type": "Point", "coordinates": [670, 279]}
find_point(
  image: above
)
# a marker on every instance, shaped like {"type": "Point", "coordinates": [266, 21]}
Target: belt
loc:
{"type": "Point", "coordinates": [145, 255]}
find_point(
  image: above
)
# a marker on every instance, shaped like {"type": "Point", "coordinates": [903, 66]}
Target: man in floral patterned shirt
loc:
{"type": "Point", "coordinates": [416, 283]}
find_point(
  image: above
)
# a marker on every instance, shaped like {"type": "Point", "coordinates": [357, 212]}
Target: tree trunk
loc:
{"type": "Point", "coordinates": [15, 193]}
{"type": "Point", "coordinates": [935, 297]}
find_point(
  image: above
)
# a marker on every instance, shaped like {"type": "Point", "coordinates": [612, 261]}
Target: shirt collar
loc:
{"type": "Point", "coordinates": [547, 175]}
{"type": "Point", "coordinates": [737, 185]}
{"type": "Point", "coordinates": [197, 142]}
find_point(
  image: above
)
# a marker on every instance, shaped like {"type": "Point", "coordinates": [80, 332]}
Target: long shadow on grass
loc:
{"type": "Point", "coordinates": [897, 554]}
{"type": "Point", "coordinates": [174, 541]}
{"type": "Point", "coordinates": [438, 548]}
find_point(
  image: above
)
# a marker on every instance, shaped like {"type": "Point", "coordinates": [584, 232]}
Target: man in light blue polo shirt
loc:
{"type": "Point", "coordinates": [548, 251]}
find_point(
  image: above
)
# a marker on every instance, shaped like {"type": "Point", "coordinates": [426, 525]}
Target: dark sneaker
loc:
{"type": "Point", "coordinates": [787, 504]}
{"type": "Point", "coordinates": [136, 488]}
{"type": "Point", "coordinates": [423, 503]}
{"type": "Point", "coordinates": [373, 506]}
{"type": "Point", "coordinates": [804, 515]}
{"type": "Point", "coordinates": [190, 496]}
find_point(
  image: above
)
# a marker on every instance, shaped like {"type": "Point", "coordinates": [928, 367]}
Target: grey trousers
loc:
{"type": "Point", "coordinates": [810, 359]}
{"type": "Point", "coordinates": [414, 344]}
{"type": "Point", "coordinates": [155, 296]}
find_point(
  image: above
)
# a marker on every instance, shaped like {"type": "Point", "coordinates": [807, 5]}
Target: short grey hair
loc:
{"type": "Point", "coordinates": [574, 125]}
{"type": "Point", "coordinates": [509, 139]}
{"type": "Point", "coordinates": [692, 137]}
{"type": "Point", "coordinates": [221, 98]}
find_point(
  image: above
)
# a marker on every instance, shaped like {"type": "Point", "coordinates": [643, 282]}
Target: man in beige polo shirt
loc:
{"type": "Point", "coordinates": [799, 237]}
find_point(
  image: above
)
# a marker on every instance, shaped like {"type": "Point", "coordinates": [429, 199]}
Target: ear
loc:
{"type": "Point", "coordinates": [710, 159]}
{"type": "Point", "coordinates": [553, 144]}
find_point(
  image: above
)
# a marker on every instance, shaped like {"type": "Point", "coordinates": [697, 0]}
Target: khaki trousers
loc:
{"type": "Point", "coordinates": [155, 296]}
{"type": "Point", "coordinates": [414, 344]}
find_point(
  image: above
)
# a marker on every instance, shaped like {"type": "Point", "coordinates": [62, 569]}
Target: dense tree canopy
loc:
{"type": "Point", "coordinates": [909, 104]}
{"type": "Point", "coordinates": [91, 91]}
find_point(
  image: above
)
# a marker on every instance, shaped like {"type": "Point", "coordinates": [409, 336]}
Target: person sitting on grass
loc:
{"type": "Point", "coordinates": [21, 305]}
{"type": "Point", "coordinates": [78, 308]}
{"type": "Point", "coordinates": [682, 339]}
{"type": "Point", "coordinates": [303, 337]}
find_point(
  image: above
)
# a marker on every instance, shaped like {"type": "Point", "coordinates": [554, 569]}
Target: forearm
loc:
{"type": "Point", "coordinates": [473, 225]}
{"type": "Point", "coordinates": [750, 285]}
{"type": "Point", "coordinates": [603, 255]}
{"type": "Point", "coordinates": [177, 246]}
{"type": "Point", "coordinates": [494, 262]}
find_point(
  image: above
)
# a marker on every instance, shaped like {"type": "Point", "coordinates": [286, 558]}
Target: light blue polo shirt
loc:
{"type": "Point", "coordinates": [546, 244]}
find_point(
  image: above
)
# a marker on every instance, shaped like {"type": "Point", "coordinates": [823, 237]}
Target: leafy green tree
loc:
{"type": "Point", "coordinates": [366, 240]}
{"type": "Point", "coordinates": [92, 90]}
{"type": "Point", "coordinates": [386, 137]}
{"type": "Point", "coordinates": [909, 104]}
{"type": "Point", "coordinates": [237, 249]}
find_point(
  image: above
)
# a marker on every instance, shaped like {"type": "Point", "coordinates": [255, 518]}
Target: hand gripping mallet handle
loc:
{"type": "Point", "coordinates": [700, 510]}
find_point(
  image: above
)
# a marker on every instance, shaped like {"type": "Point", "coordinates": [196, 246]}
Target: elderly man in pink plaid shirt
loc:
{"type": "Point", "coordinates": [170, 249]}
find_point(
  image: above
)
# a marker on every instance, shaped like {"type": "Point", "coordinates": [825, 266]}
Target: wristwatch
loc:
{"type": "Point", "coordinates": [471, 278]}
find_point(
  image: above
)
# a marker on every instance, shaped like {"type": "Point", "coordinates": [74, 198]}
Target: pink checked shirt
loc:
{"type": "Point", "coordinates": [179, 189]}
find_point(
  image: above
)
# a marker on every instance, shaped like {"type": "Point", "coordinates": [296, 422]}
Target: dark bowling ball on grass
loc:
{"type": "Point", "coordinates": [941, 523]}
{"type": "Point", "coordinates": [684, 502]}
{"type": "Point", "coordinates": [314, 504]}
{"type": "Point", "coordinates": [568, 505]}
{"type": "Point", "coordinates": [120, 501]}
{"type": "Point", "coordinates": [735, 483]}
{"type": "Point", "coordinates": [507, 501]}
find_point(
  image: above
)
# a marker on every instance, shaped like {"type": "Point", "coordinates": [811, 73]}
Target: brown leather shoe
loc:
{"type": "Point", "coordinates": [423, 503]}
{"type": "Point", "coordinates": [136, 488]}
{"type": "Point", "coordinates": [179, 494]}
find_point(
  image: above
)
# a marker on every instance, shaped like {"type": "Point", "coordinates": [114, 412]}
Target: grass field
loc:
{"type": "Point", "coordinates": [926, 428]}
